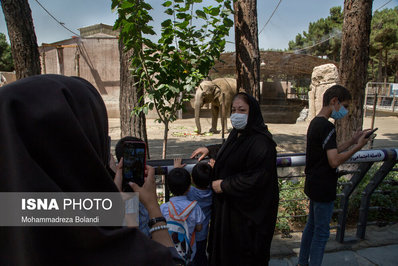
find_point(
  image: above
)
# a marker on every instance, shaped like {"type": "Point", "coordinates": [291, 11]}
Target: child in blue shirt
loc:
{"type": "Point", "coordinates": [202, 174]}
{"type": "Point", "coordinates": [179, 182]}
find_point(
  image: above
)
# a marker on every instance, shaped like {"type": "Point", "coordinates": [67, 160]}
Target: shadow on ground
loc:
{"type": "Point", "coordinates": [184, 146]}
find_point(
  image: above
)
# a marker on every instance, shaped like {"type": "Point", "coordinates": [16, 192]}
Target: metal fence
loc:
{"type": "Point", "coordinates": [381, 96]}
{"type": "Point", "coordinates": [387, 158]}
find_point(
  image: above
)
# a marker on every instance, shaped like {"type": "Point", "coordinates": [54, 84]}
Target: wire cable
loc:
{"type": "Point", "coordinates": [59, 22]}
{"type": "Point", "coordinates": [269, 19]}
{"type": "Point", "coordinates": [318, 43]}
{"type": "Point", "coordinates": [382, 6]}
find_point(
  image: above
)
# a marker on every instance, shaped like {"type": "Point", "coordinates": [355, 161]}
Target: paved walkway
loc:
{"type": "Point", "coordinates": [379, 248]}
{"type": "Point", "coordinates": [386, 255]}
{"type": "Point", "coordinates": [290, 137]}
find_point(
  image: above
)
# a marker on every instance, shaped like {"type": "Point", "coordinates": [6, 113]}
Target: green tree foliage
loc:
{"type": "Point", "coordinates": [323, 37]}
{"type": "Point", "coordinates": [384, 45]}
{"type": "Point", "coordinates": [6, 63]}
{"type": "Point", "coordinates": [191, 39]}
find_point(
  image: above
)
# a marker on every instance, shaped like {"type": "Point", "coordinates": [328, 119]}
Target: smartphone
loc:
{"type": "Point", "coordinates": [371, 132]}
{"type": "Point", "coordinates": [134, 160]}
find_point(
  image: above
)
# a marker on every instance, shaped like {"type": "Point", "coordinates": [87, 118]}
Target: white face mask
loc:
{"type": "Point", "coordinates": [239, 121]}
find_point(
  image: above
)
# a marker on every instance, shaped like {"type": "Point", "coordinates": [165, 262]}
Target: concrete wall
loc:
{"type": "Point", "coordinates": [98, 61]}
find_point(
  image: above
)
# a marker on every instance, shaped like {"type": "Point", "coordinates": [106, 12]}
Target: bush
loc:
{"type": "Point", "coordinates": [385, 197]}
{"type": "Point", "coordinates": [293, 202]}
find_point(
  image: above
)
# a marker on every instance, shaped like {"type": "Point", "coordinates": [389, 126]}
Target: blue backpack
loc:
{"type": "Point", "coordinates": [178, 230]}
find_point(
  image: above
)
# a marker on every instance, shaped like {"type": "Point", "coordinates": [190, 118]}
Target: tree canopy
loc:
{"type": "Point", "coordinates": [6, 62]}
{"type": "Point", "coordinates": [384, 45]}
{"type": "Point", "coordinates": [323, 38]}
{"type": "Point", "coordinates": [191, 40]}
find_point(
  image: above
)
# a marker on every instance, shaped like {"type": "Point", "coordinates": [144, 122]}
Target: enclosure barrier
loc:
{"type": "Point", "coordinates": [365, 159]}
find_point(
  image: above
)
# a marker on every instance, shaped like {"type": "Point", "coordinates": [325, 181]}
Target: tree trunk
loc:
{"type": "Point", "coordinates": [380, 67]}
{"type": "Point", "coordinates": [246, 46]}
{"type": "Point", "coordinates": [22, 35]}
{"type": "Point", "coordinates": [164, 179]}
{"type": "Point", "coordinates": [353, 63]}
{"type": "Point", "coordinates": [165, 135]}
{"type": "Point", "coordinates": [130, 124]}
{"type": "Point", "coordinates": [386, 64]}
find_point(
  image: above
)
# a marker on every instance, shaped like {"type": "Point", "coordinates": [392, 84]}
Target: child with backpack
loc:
{"type": "Point", "coordinates": [184, 217]}
{"type": "Point", "coordinates": [202, 175]}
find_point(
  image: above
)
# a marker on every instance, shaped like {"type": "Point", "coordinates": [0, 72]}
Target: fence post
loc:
{"type": "Point", "coordinates": [367, 193]}
{"type": "Point", "coordinates": [347, 191]}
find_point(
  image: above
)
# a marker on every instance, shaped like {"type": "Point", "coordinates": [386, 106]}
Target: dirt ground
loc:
{"type": "Point", "coordinates": [289, 137]}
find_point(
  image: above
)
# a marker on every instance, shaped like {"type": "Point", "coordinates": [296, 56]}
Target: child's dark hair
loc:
{"type": "Point", "coordinates": [119, 146]}
{"type": "Point", "coordinates": [202, 175]}
{"type": "Point", "coordinates": [338, 91]}
{"type": "Point", "coordinates": [179, 181]}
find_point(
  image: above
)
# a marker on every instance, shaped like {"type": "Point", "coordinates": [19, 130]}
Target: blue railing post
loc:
{"type": "Point", "coordinates": [364, 158]}
{"type": "Point", "coordinates": [347, 191]}
{"type": "Point", "coordinates": [367, 193]}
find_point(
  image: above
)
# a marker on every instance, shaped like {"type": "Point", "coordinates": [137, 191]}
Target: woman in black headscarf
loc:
{"type": "Point", "coordinates": [246, 196]}
{"type": "Point", "coordinates": [53, 138]}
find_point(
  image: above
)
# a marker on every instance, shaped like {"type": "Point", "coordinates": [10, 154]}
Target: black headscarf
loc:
{"type": "Point", "coordinates": [255, 124]}
{"type": "Point", "coordinates": [54, 137]}
{"type": "Point", "coordinates": [255, 120]}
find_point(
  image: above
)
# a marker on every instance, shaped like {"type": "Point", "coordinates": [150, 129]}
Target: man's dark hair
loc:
{"type": "Point", "coordinates": [338, 91]}
{"type": "Point", "coordinates": [179, 181]}
{"type": "Point", "coordinates": [119, 146]}
{"type": "Point", "coordinates": [202, 175]}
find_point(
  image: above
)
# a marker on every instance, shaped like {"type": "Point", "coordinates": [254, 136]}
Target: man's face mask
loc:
{"type": "Point", "coordinates": [336, 115]}
{"type": "Point", "coordinates": [239, 121]}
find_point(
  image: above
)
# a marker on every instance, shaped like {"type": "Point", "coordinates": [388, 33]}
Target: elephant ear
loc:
{"type": "Point", "coordinates": [217, 91]}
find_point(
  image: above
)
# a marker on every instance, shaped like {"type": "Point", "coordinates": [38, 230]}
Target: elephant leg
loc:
{"type": "Point", "coordinates": [214, 117]}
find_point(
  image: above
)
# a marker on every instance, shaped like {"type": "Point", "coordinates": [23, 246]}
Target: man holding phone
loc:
{"type": "Point", "coordinates": [323, 156]}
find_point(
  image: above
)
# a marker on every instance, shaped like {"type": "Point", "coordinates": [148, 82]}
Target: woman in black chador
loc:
{"type": "Point", "coordinates": [245, 202]}
{"type": "Point", "coordinates": [54, 138]}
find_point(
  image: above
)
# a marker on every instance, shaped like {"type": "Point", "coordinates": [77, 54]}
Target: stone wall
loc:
{"type": "Point", "coordinates": [323, 77]}
{"type": "Point", "coordinates": [7, 77]}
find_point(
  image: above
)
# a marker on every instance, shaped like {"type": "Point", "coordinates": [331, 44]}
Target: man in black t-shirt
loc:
{"type": "Point", "coordinates": [323, 156]}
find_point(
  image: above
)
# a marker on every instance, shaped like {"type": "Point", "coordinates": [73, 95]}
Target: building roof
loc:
{"type": "Point", "coordinates": [98, 30]}
{"type": "Point", "coordinates": [275, 64]}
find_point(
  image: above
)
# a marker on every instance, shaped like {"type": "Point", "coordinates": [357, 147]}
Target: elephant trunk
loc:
{"type": "Point", "coordinates": [198, 105]}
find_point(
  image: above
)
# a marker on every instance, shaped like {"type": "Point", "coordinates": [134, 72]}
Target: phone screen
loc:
{"type": "Point", "coordinates": [371, 132]}
{"type": "Point", "coordinates": [134, 156]}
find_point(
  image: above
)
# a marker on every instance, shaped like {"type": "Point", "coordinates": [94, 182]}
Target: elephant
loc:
{"type": "Point", "coordinates": [212, 92]}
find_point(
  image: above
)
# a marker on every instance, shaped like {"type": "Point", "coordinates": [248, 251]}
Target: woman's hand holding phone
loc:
{"type": "Point", "coordinates": [119, 175]}
{"type": "Point", "coordinates": [147, 192]}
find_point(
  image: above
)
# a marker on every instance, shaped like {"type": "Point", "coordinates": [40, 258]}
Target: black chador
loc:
{"type": "Point", "coordinates": [53, 138]}
{"type": "Point", "coordinates": [244, 215]}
